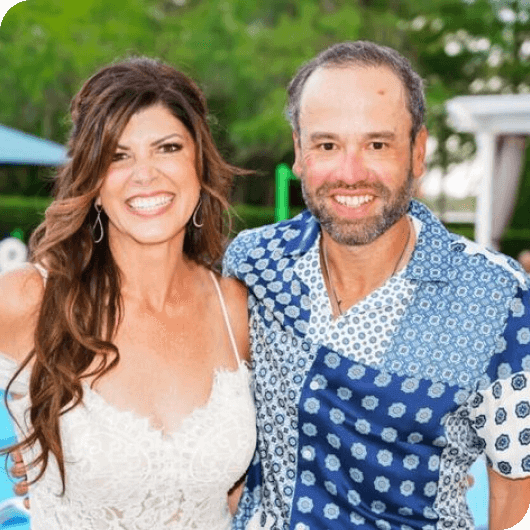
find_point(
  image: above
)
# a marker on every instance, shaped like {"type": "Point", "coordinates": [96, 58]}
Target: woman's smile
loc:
{"type": "Point", "coordinates": [151, 205]}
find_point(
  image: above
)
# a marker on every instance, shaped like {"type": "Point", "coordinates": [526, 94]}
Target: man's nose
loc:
{"type": "Point", "coordinates": [354, 166]}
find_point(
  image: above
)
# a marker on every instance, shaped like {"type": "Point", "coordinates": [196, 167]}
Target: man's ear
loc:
{"type": "Point", "coordinates": [419, 151]}
{"type": "Point", "coordinates": [297, 165]}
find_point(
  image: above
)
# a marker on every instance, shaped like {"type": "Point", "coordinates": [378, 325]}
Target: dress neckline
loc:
{"type": "Point", "coordinates": [220, 373]}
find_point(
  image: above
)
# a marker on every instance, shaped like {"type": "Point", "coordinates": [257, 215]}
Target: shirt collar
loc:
{"type": "Point", "coordinates": [432, 259]}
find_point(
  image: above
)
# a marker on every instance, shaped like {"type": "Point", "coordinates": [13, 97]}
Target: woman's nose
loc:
{"type": "Point", "coordinates": [144, 172]}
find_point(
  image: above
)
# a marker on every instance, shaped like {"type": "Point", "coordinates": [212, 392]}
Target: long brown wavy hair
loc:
{"type": "Point", "coordinates": [82, 306]}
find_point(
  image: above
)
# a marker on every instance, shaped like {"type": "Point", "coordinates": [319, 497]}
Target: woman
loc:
{"type": "Point", "coordinates": [139, 414]}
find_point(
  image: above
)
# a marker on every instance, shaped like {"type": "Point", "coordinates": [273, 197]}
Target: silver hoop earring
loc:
{"type": "Point", "coordinates": [98, 224]}
{"type": "Point", "coordinates": [194, 217]}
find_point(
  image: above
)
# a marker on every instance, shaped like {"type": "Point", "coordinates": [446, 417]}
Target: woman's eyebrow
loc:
{"type": "Point", "coordinates": [167, 138]}
{"type": "Point", "coordinates": [156, 142]}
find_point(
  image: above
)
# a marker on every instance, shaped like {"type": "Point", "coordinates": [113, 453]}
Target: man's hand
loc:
{"type": "Point", "coordinates": [18, 471]}
{"type": "Point", "coordinates": [509, 500]}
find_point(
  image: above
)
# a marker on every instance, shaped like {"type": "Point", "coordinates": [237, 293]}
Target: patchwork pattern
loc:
{"type": "Point", "coordinates": [370, 446]}
{"type": "Point", "coordinates": [279, 373]}
{"type": "Point", "coordinates": [462, 448]}
{"type": "Point", "coordinates": [365, 330]}
{"type": "Point", "coordinates": [453, 326]}
{"type": "Point", "coordinates": [372, 420]}
{"type": "Point", "coordinates": [502, 421]}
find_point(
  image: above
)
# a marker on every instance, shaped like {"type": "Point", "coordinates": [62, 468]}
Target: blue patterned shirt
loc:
{"type": "Point", "coordinates": [372, 420]}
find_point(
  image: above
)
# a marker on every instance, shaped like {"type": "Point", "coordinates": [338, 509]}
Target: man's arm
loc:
{"type": "Point", "coordinates": [509, 500]}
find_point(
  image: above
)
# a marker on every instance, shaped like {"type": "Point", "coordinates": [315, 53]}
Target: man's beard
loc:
{"type": "Point", "coordinates": [364, 231]}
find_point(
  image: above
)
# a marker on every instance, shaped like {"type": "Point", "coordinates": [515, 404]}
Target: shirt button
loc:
{"type": "Point", "coordinates": [314, 385]}
{"type": "Point", "coordinates": [306, 453]}
{"type": "Point", "coordinates": [300, 526]}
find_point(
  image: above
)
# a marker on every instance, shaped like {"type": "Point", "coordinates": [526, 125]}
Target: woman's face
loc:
{"type": "Point", "coordinates": [151, 187]}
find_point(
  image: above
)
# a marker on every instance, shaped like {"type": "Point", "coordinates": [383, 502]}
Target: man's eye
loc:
{"type": "Point", "coordinates": [327, 146]}
{"type": "Point", "coordinates": [377, 146]}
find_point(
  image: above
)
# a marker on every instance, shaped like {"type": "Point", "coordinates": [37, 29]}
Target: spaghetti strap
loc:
{"type": "Point", "coordinates": [226, 317]}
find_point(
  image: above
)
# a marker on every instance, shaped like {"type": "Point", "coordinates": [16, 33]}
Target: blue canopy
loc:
{"type": "Point", "coordinates": [17, 147]}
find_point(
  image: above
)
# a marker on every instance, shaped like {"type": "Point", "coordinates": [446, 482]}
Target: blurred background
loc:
{"type": "Point", "coordinates": [243, 53]}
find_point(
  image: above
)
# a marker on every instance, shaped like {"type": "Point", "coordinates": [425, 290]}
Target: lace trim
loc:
{"type": "Point", "coordinates": [224, 382]}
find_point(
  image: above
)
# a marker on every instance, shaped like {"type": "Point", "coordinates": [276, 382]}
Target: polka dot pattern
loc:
{"type": "Point", "coordinates": [368, 441]}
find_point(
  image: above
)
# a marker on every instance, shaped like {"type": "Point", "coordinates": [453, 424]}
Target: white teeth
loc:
{"type": "Point", "coordinates": [149, 203]}
{"type": "Point", "coordinates": [353, 201]}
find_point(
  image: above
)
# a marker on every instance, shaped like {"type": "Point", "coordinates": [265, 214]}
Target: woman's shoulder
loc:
{"type": "Point", "coordinates": [235, 296]}
{"type": "Point", "coordinates": [21, 292]}
{"type": "Point", "coordinates": [234, 290]}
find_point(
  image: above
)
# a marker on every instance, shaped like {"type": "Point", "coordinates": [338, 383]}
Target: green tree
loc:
{"type": "Point", "coordinates": [243, 53]}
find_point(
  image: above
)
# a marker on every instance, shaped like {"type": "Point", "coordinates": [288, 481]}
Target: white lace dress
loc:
{"type": "Point", "coordinates": [122, 474]}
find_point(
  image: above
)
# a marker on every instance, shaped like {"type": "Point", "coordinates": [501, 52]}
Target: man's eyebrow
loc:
{"type": "Point", "coordinates": [156, 142]}
{"type": "Point", "coordinates": [383, 135]}
{"type": "Point", "coordinates": [316, 136]}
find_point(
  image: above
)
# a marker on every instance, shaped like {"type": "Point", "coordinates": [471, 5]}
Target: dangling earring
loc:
{"type": "Point", "coordinates": [97, 224]}
{"type": "Point", "coordinates": [194, 217]}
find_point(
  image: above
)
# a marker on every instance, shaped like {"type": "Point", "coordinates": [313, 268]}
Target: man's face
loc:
{"type": "Point", "coordinates": [354, 155]}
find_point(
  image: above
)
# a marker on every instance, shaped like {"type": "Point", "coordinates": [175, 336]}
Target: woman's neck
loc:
{"type": "Point", "coordinates": [152, 275]}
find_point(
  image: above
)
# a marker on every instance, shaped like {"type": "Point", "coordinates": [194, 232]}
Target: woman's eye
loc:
{"type": "Point", "coordinates": [116, 157]}
{"type": "Point", "coordinates": [170, 148]}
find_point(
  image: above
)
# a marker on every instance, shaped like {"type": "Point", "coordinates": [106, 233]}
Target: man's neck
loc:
{"type": "Point", "coordinates": [357, 271]}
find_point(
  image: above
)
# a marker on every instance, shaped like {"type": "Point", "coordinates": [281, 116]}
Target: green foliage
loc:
{"type": "Point", "coordinates": [244, 52]}
{"type": "Point", "coordinates": [24, 213]}
{"type": "Point", "coordinates": [521, 214]}
{"type": "Point", "coordinates": [463, 229]}
{"type": "Point", "coordinates": [247, 216]}
{"type": "Point", "coordinates": [467, 47]}
{"type": "Point", "coordinates": [515, 240]}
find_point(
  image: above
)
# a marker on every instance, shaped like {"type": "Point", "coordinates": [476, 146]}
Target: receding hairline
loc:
{"type": "Point", "coordinates": [360, 53]}
{"type": "Point", "coordinates": [354, 65]}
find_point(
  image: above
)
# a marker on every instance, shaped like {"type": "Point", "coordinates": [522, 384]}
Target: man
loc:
{"type": "Point", "coordinates": [388, 353]}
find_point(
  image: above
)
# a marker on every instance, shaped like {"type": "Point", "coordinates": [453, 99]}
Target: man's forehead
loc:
{"type": "Point", "coordinates": [353, 89]}
{"type": "Point", "coordinates": [356, 79]}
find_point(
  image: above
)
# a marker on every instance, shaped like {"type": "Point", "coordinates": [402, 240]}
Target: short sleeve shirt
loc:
{"type": "Point", "coordinates": [373, 419]}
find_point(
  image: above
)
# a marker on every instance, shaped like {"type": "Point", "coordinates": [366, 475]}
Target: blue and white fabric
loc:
{"type": "Point", "coordinates": [372, 420]}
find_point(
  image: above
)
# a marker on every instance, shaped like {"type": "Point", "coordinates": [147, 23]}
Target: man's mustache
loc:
{"type": "Point", "coordinates": [376, 187]}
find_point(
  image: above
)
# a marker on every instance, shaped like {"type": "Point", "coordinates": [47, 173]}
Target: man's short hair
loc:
{"type": "Point", "coordinates": [360, 53]}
